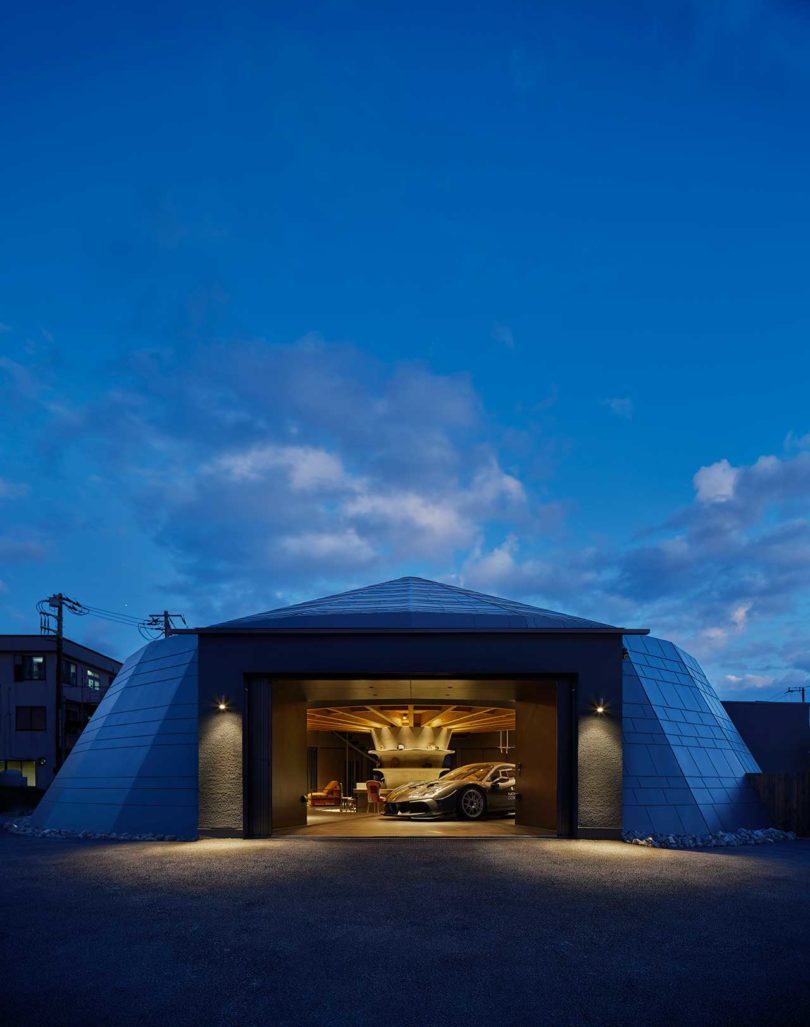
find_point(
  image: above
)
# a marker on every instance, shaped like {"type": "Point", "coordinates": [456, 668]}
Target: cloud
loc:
{"type": "Point", "coordinates": [620, 406]}
{"type": "Point", "coordinates": [794, 441]}
{"type": "Point", "coordinates": [266, 473]}
{"type": "Point", "coordinates": [716, 483]}
{"type": "Point", "coordinates": [749, 681]}
{"type": "Point", "coordinates": [256, 465]}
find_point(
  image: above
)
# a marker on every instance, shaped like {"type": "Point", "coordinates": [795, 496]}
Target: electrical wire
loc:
{"type": "Point", "coordinates": [117, 615]}
{"type": "Point", "coordinates": [149, 627]}
{"type": "Point", "coordinates": [775, 695]}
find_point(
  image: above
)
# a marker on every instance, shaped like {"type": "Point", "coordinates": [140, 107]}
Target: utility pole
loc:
{"type": "Point", "coordinates": [58, 602]}
{"type": "Point", "coordinates": [798, 688]}
{"type": "Point", "coordinates": [163, 621]}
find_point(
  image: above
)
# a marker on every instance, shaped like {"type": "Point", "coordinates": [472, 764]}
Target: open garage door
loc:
{"type": "Point", "coordinates": [536, 756]}
{"type": "Point", "coordinates": [276, 759]}
{"type": "Point", "coordinates": [325, 739]}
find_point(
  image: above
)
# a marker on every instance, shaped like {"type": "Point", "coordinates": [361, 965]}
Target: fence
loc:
{"type": "Point", "coordinates": [787, 798]}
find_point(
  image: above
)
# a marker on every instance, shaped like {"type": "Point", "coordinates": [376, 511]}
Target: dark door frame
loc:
{"type": "Point", "coordinates": [257, 768]}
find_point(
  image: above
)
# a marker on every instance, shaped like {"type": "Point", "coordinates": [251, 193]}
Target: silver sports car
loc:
{"type": "Point", "coordinates": [469, 792]}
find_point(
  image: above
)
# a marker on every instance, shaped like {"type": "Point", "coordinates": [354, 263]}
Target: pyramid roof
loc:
{"type": "Point", "coordinates": [413, 604]}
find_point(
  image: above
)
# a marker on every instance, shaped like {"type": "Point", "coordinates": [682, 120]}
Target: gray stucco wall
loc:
{"type": "Point", "coordinates": [600, 772]}
{"type": "Point", "coordinates": [221, 775]}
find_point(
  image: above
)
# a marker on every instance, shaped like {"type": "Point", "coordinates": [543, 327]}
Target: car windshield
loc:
{"type": "Point", "coordinates": [475, 771]}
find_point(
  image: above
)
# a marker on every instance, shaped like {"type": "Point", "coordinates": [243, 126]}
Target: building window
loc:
{"type": "Point", "coordinates": [29, 668]}
{"type": "Point", "coordinates": [31, 718]}
{"type": "Point", "coordinates": [27, 768]}
{"type": "Point", "coordinates": [94, 680]}
{"type": "Point", "coordinates": [70, 673]}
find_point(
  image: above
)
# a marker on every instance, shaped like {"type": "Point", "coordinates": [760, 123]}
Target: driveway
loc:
{"type": "Point", "coordinates": [407, 932]}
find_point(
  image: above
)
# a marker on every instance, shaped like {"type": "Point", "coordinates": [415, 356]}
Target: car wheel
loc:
{"type": "Point", "coordinates": [471, 804]}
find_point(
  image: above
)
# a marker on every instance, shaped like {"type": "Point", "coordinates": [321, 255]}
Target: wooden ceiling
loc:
{"type": "Point", "coordinates": [364, 718]}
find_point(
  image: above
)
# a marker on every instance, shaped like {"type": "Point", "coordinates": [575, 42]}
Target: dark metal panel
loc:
{"type": "Point", "coordinates": [289, 756]}
{"type": "Point", "coordinates": [258, 761]}
{"type": "Point", "coordinates": [536, 753]}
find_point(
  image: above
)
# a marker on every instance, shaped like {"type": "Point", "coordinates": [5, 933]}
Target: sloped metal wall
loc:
{"type": "Point", "coordinates": [684, 760]}
{"type": "Point", "coordinates": [134, 768]}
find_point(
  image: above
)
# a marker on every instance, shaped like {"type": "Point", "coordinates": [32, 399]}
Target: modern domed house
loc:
{"type": "Point", "coordinates": [218, 730]}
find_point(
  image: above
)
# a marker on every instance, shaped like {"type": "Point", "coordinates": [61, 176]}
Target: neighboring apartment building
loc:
{"type": "Point", "coordinates": [28, 701]}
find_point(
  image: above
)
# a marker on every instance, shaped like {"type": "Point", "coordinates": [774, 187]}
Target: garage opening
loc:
{"type": "Point", "coordinates": [393, 758]}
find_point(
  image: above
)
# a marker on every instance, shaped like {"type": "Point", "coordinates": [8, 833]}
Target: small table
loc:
{"type": "Point", "coordinates": [348, 804]}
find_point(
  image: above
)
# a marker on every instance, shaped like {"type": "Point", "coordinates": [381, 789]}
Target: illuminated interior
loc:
{"type": "Point", "coordinates": [411, 742]}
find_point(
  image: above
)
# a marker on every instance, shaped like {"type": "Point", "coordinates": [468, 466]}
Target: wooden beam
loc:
{"type": "Point", "coordinates": [471, 714]}
{"type": "Point", "coordinates": [386, 718]}
{"type": "Point", "coordinates": [438, 716]}
{"type": "Point", "coordinates": [342, 716]}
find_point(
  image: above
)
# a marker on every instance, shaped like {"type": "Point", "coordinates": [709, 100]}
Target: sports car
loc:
{"type": "Point", "coordinates": [468, 792]}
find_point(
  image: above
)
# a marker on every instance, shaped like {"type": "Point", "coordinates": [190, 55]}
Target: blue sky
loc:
{"type": "Point", "coordinates": [299, 297]}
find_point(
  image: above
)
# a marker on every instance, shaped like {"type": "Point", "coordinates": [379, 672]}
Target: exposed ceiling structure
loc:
{"type": "Point", "coordinates": [368, 717]}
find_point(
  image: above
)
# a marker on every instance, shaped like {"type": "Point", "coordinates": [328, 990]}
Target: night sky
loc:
{"type": "Point", "coordinates": [300, 297]}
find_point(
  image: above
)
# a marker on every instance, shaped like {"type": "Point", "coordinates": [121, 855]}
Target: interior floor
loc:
{"type": "Point", "coordinates": [327, 823]}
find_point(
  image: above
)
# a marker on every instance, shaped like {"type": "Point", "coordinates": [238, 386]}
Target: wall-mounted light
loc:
{"type": "Point", "coordinates": [222, 704]}
{"type": "Point", "coordinates": [600, 707]}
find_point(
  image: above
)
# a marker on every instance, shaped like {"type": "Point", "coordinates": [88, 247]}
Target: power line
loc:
{"type": "Point", "coordinates": [776, 695]}
{"type": "Point", "coordinates": [160, 624]}
{"type": "Point", "coordinates": [156, 625]}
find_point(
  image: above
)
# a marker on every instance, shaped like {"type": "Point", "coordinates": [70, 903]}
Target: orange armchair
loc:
{"type": "Point", "coordinates": [330, 796]}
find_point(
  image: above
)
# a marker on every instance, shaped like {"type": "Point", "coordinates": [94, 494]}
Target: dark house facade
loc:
{"type": "Point", "coordinates": [206, 732]}
{"type": "Point", "coordinates": [36, 717]}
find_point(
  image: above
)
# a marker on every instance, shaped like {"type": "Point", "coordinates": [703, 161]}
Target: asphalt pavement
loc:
{"type": "Point", "coordinates": [403, 932]}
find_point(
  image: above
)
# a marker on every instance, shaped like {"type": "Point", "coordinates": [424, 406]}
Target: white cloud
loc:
{"type": "Point", "coordinates": [341, 548]}
{"type": "Point", "coordinates": [310, 469]}
{"type": "Point", "coordinates": [716, 482]}
{"type": "Point", "coordinates": [739, 615]}
{"type": "Point", "coordinates": [743, 681]}
{"type": "Point", "coordinates": [407, 519]}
